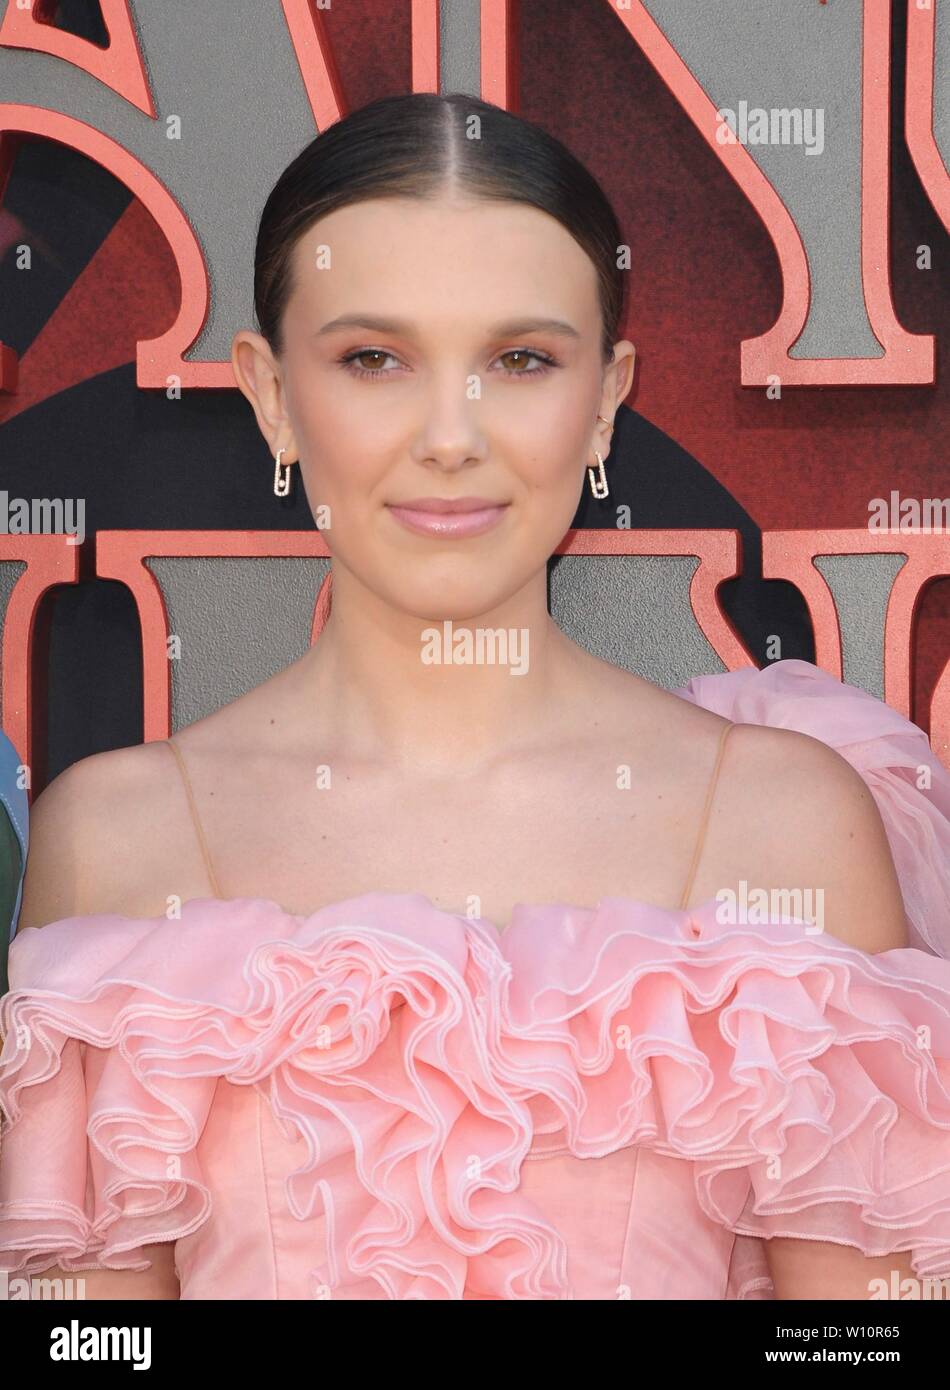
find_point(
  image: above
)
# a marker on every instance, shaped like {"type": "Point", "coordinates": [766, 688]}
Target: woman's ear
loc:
{"type": "Point", "coordinates": [258, 377]}
{"type": "Point", "coordinates": [618, 379]}
{"type": "Point", "coordinates": [625, 357]}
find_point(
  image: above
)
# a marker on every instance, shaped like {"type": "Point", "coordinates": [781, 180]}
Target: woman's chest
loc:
{"type": "Point", "coordinates": [473, 850]}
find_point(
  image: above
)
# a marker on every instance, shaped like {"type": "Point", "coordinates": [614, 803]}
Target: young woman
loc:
{"type": "Point", "coordinates": [405, 978]}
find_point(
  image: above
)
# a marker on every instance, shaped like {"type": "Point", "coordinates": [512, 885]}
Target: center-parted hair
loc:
{"type": "Point", "coordinates": [424, 145]}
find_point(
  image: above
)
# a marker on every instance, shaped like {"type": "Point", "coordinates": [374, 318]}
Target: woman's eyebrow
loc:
{"type": "Point", "coordinates": [508, 327]}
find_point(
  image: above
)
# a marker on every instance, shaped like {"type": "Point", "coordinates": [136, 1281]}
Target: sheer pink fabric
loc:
{"type": "Point", "coordinates": [386, 1100]}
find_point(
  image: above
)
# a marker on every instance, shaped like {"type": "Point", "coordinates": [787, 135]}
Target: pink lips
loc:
{"type": "Point", "coordinates": [443, 516]}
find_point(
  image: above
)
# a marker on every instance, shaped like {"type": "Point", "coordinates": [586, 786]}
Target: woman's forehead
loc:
{"type": "Point", "coordinates": [399, 255]}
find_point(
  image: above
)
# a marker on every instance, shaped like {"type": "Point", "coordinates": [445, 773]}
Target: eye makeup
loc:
{"type": "Point", "coordinates": [545, 362]}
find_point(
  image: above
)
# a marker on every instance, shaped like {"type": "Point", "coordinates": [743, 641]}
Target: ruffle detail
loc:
{"type": "Point", "coordinates": [807, 1081]}
{"type": "Point", "coordinates": [421, 1056]}
{"type": "Point", "coordinates": [368, 1042]}
{"type": "Point", "coordinates": [910, 785]}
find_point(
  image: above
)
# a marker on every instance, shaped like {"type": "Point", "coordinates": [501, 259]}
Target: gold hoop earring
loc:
{"type": "Point", "coordinates": [281, 484]}
{"type": "Point", "coordinates": [598, 479]}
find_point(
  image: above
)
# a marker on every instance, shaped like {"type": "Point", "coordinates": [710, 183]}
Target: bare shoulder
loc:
{"type": "Point", "coordinates": [94, 831]}
{"type": "Point", "coordinates": [792, 813]}
{"type": "Point", "coordinates": [113, 832]}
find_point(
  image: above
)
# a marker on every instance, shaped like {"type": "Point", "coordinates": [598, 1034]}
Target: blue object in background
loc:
{"type": "Point", "coordinates": [14, 842]}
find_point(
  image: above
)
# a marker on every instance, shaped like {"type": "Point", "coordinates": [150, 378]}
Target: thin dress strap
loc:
{"type": "Point", "coordinates": [701, 836]}
{"type": "Point", "coordinates": [199, 830]}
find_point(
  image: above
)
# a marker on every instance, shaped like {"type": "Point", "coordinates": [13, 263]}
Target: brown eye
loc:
{"type": "Point", "coordinates": [542, 362]}
{"type": "Point", "coordinates": [516, 355]}
{"type": "Point", "coordinates": [352, 362]}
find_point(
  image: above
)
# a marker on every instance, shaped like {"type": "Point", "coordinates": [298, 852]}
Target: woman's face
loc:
{"type": "Point", "coordinates": [439, 387]}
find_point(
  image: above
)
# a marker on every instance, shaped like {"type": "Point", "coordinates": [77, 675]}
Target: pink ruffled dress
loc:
{"type": "Point", "coordinates": [386, 1100]}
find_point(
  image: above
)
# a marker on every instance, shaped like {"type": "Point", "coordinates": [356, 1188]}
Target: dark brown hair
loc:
{"type": "Point", "coordinates": [418, 145]}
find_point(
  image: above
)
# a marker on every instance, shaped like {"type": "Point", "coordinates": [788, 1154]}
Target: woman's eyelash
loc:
{"type": "Point", "coordinates": [545, 362]}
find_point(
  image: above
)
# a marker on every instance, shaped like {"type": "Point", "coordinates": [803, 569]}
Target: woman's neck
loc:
{"type": "Point", "coordinates": [443, 695]}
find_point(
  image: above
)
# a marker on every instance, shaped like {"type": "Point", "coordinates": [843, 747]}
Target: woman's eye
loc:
{"type": "Point", "coordinates": [541, 359]}
{"type": "Point", "coordinates": [374, 353]}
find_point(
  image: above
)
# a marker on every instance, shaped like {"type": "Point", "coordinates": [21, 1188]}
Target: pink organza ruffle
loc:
{"type": "Point", "coordinates": [807, 1082]}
